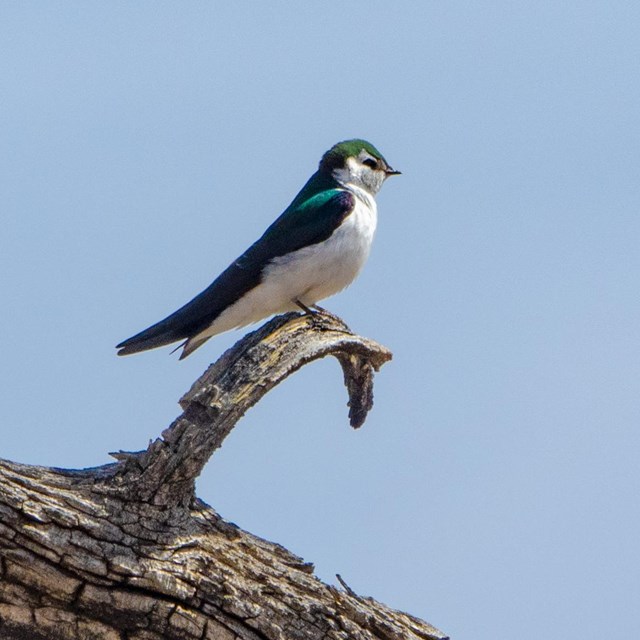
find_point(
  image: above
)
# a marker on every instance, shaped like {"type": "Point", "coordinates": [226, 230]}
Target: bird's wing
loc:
{"type": "Point", "coordinates": [309, 223]}
{"type": "Point", "coordinates": [302, 224]}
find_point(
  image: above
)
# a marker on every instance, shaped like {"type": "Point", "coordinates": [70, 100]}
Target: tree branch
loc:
{"type": "Point", "coordinates": [239, 379]}
{"type": "Point", "coordinates": [127, 551]}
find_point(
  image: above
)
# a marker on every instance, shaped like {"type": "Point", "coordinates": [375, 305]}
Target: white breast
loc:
{"type": "Point", "coordinates": [309, 274]}
{"type": "Point", "coordinates": [321, 270]}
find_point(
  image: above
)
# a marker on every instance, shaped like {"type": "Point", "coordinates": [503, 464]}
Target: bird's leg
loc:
{"type": "Point", "coordinates": [314, 311]}
{"type": "Point", "coordinates": [304, 307]}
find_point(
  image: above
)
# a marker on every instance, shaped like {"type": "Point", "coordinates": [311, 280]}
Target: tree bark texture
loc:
{"type": "Point", "coordinates": [126, 550]}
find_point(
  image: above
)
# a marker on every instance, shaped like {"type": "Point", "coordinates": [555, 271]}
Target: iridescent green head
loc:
{"type": "Point", "coordinates": [357, 163]}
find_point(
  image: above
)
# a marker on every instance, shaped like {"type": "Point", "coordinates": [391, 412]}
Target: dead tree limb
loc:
{"type": "Point", "coordinates": [126, 550]}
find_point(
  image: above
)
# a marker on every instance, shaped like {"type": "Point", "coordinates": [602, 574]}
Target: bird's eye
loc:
{"type": "Point", "coordinates": [370, 162]}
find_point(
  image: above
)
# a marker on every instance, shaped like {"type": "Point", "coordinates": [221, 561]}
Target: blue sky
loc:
{"type": "Point", "coordinates": [494, 489]}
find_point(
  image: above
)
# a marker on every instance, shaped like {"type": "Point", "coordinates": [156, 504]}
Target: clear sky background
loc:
{"type": "Point", "coordinates": [494, 491]}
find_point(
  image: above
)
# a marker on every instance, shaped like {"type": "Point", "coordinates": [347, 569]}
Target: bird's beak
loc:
{"type": "Point", "coordinates": [392, 172]}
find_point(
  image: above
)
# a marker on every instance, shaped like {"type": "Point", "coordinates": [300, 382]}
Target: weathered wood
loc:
{"type": "Point", "coordinates": [126, 550]}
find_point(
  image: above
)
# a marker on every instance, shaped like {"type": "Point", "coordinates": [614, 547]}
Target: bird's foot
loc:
{"type": "Point", "coordinates": [309, 311]}
{"type": "Point", "coordinates": [314, 312]}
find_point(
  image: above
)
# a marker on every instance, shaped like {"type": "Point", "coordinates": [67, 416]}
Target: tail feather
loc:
{"type": "Point", "coordinates": [190, 345]}
{"type": "Point", "coordinates": [159, 336]}
{"type": "Point", "coordinates": [150, 338]}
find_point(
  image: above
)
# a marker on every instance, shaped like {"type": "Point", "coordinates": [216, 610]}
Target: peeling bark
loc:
{"type": "Point", "coordinates": [126, 550]}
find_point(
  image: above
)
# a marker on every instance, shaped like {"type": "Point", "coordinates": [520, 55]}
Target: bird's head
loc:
{"type": "Point", "coordinates": [357, 163]}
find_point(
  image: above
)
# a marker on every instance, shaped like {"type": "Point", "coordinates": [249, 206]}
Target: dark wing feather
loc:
{"type": "Point", "coordinates": [302, 224]}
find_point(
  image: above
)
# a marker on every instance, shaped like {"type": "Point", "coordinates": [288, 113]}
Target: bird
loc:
{"type": "Point", "coordinates": [313, 250]}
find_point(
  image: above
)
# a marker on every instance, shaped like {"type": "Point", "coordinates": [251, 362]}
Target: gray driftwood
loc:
{"type": "Point", "coordinates": [126, 550]}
